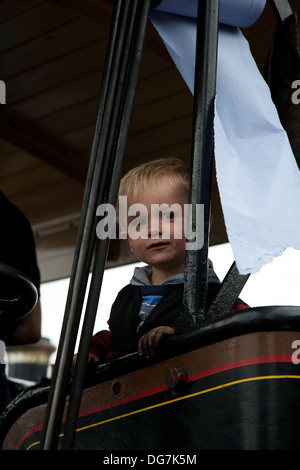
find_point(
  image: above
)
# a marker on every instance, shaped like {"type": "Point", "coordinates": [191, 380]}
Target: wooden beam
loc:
{"type": "Point", "coordinates": [37, 143]}
{"type": "Point", "coordinates": [100, 11]}
{"type": "Point", "coordinates": [95, 10]}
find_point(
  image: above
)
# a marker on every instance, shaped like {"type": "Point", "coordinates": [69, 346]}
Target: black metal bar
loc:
{"type": "Point", "coordinates": [81, 264]}
{"type": "Point", "coordinates": [231, 287]}
{"type": "Point", "coordinates": [131, 58]}
{"type": "Point", "coordinates": [282, 10]}
{"type": "Point", "coordinates": [195, 284]}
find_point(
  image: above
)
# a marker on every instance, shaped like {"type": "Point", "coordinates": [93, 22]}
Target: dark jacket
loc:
{"type": "Point", "coordinates": [123, 336]}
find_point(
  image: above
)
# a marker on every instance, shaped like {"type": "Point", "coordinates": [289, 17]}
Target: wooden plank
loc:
{"type": "Point", "coordinates": [158, 137]}
{"type": "Point", "coordinates": [60, 97]}
{"type": "Point", "coordinates": [146, 117]}
{"type": "Point", "coordinates": [70, 118]}
{"type": "Point", "coordinates": [6, 147]}
{"type": "Point", "coordinates": [81, 139]}
{"type": "Point", "coordinates": [61, 71]}
{"type": "Point", "coordinates": [64, 69]}
{"type": "Point", "coordinates": [73, 118]}
{"type": "Point", "coordinates": [58, 198]}
{"type": "Point", "coordinates": [40, 145]}
{"type": "Point", "coordinates": [70, 98]}
{"type": "Point", "coordinates": [12, 8]}
{"type": "Point", "coordinates": [37, 178]}
{"type": "Point", "coordinates": [180, 149]}
{"type": "Point", "coordinates": [55, 43]}
{"type": "Point", "coordinates": [42, 18]}
{"type": "Point", "coordinates": [98, 11]}
{"type": "Point", "coordinates": [161, 110]}
{"type": "Point", "coordinates": [159, 85]}
{"type": "Point", "coordinates": [16, 161]}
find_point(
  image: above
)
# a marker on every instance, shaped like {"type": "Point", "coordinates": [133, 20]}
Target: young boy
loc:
{"type": "Point", "coordinates": [146, 310]}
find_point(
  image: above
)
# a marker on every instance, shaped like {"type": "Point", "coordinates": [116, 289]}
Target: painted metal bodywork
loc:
{"type": "Point", "coordinates": [231, 392]}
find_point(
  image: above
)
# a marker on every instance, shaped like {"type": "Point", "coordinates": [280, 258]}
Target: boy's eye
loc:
{"type": "Point", "coordinates": [167, 216]}
{"type": "Point", "coordinates": [139, 222]}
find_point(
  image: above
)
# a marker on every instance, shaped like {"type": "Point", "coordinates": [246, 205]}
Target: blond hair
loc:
{"type": "Point", "coordinates": [145, 177]}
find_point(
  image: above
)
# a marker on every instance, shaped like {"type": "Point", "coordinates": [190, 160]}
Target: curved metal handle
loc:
{"type": "Point", "coordinates": [18, 295]}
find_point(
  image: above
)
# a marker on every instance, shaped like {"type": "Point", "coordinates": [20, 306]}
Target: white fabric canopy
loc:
{"type": "Point", "coordinates": [258, 178]}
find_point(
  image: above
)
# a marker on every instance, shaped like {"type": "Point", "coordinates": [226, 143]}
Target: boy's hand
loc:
{"type": "Point", "coordinates": [91, 359]}
{"type": "Point", "coordinates": [148, 342]}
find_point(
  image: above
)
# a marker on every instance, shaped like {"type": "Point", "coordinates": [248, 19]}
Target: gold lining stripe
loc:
{"type": "Point", "coordinates": [218, 387]}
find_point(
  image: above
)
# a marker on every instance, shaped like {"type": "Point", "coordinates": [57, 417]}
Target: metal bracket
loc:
{"type": "Point", "coordinates": [232, 285]}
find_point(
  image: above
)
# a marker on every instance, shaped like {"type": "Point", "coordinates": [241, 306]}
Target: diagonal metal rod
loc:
{"type": "Point", "coordinates": [282, 10]}
{"type": "Point", "coordinates": [130, 63]}
{"type": "Point", "coordinates": [195, 283]}
{"type": "Point", "coordinates": [82, 258]}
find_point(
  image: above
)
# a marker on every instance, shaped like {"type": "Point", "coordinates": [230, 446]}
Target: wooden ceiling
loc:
{"type": "Point", "coordinates": [51, 60]}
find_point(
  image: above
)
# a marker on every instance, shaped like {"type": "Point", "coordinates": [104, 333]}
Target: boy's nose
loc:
{"type": "Point", "coordinates": [155, 228]}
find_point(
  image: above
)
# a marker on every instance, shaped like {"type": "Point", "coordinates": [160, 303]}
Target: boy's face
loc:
{"type": "Point", "coordinates": [155, 230]}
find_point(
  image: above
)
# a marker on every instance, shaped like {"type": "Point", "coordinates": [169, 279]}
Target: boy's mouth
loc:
{"type": "Point", "coordinates": [158, 245]}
